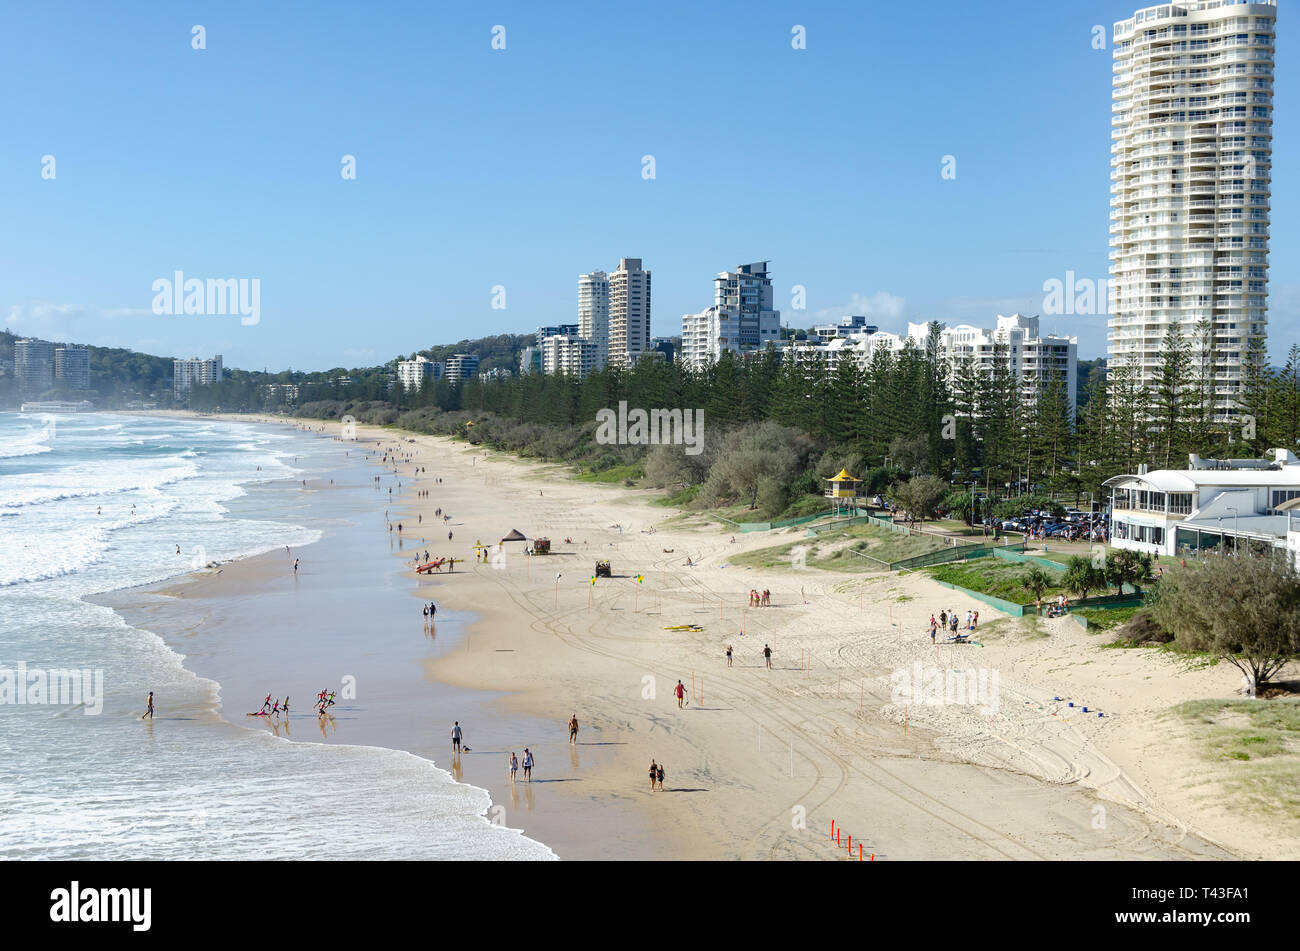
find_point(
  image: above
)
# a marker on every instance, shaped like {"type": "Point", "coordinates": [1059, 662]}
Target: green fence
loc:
{"type": "Point", "coordinates": [1008, 607]}
{"type": "Point", "coordinates": [1110, 601]}
{"type": "Point", "coordinates": [838, 524]}
{"type": "Point", "coordinates": [784, 523]}
{"type": "Point", "coordinates": [946, 555]}
{"type": "Point", "coordinates": [1006, 555]}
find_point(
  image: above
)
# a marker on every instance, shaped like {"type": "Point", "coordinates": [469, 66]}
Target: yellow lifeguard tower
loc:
{"type": "Point", "coordinates": [844, 492]}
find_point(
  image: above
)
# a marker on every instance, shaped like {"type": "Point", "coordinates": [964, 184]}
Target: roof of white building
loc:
{"type": "Point", "coordinates": [1286, 473]}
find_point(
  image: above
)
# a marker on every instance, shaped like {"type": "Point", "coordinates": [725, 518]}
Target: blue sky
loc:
{"type": "Point", "coordinates": [522, 167]}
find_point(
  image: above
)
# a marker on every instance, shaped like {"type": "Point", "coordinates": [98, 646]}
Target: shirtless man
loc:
{"type": "Point", "coordinates": [573, 730]}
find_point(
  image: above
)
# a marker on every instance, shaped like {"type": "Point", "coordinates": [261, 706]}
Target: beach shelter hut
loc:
{"type": "Point", "coordinates": [844, 492]}
{"type": "Point", "coordinates": [515, 536]}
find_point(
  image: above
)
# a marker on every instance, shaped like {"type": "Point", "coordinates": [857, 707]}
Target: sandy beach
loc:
{"type": "Point", "coordinates": [759, 763]}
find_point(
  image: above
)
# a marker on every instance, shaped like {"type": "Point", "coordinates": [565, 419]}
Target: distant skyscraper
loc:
{"type": "Point", "coordinates": [568, 354]}
{"type": "Point", "coordinates": [34, 365]}
{"type": "Point", "coordinates": [413, 374]}
{"type": "Point", "coordinates": [629, 313]}
{"type": "Point", "coordinates": [460, 367]}
{"type": "Point", "coordinates": [187, 373]}
{"type": "Point", "coordinates": [740, 321]}
{"type": "Point", "coordinates": [72, 367]}
{"type": "Point", "coordinates": [530, 360]}
{"type": "Point", "coordinates": [1190, 173]}
{"type": "Point", "coordinates": [593, 312]}
{"type": "Point", "coordinates": [558, 330]}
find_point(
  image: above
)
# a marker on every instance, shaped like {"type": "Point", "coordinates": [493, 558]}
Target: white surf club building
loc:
{"type": "Point", "coordinates": [1211, 505]}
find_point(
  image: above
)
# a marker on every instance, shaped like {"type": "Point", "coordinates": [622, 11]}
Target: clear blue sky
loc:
{"type": "Point", "coordinates": [522, 167]}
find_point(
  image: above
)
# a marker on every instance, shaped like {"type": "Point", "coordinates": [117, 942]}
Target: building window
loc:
{"type": "Point", "coordinates": [1284, 495]}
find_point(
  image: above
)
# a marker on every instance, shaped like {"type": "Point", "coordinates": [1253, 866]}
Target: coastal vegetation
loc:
{"type": "Point", "coordinates": [1242, 610]}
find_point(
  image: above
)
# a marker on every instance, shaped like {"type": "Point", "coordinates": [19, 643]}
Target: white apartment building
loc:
{"type": "Point", "coordinates": [33, 365]}
{"type": "Point", "coordinates": [72, 366]}
{"type": "Point", "coordinates": [847, 327]}
{"type": "Point", "coordinates": [1212, 505]}
{"type": "Point", "coordinates": [530, 360]}
{"type": "Point", "coordinates": [413, 374]}
{"type": "Point", "coordinates": [460, 367]}
{"type": "Point", "coordinates": [187, 373]}
{"type": "Point", "coordinates": [1192, 105]}
{"type": "Point", "coordinates": [741, 320]}
{"type": "Point", "coordinates": [1032, 357]}
{"type": "Point", "coordinates": [285, 391]}
{"type": "Point", "coordinates": [568, 354]}
{"type": "Point", "coordinates": [629, 313]}
{"type": "Point", "coordinates": [593, 312]}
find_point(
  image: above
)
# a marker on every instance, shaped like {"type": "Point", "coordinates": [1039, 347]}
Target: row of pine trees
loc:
{"type": "Point", "coordinates": [962, 425]}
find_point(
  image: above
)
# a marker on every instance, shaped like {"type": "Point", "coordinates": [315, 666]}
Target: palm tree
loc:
{"type": "Point", "coordinates": [1082, 576]}
{"type": "Point", "coordinates": [1035, 580]}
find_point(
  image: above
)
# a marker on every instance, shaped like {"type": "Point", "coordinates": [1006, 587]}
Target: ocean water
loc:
{"type": "Point", "coordinates": [99, 502]}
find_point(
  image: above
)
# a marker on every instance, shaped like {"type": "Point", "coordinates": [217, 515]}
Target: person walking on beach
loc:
{"type": "Point", "coordinates": [728, 655]}
{"type": "Point", "coordinates": [528, 765]}
{"type": "Point", "coordinates": [455, 737]}
{"type": "Point", "coordinates": [149, 713]}
{"type": "Point", "coordinates": [295, 566]}
{"type": "Point", "coordinates": [659, 774]}
{"type": "Point", "coordinates": [943, 620]}
{"type": "Point", "coordinates": [654, 774]}
{"type": "Point", "coordinates": [573, 729]}
{"type": "Point", "coordinates": [767, 656]}
{"type": "Point", "coordinates": [934, 628]}
{"type": "Point", "coordinates": [514, 765]}
{"type": "Point", "coordinates": [680, 692]}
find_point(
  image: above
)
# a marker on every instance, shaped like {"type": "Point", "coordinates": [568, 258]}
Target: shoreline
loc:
{"type": "Point", "coordinates": [786, 746]}
{"type": "Point", "coordinates": [211, 618]}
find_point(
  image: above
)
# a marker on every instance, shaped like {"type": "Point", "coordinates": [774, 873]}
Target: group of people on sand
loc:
{"type": "Point", "coordinates": [429, 610]}
{"type": "Point", "coordinates": [757, 600]}
{"type": "Point", "coordinates": [656, 775]}
{"type": "Point", "coordinates": [951, 623]}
